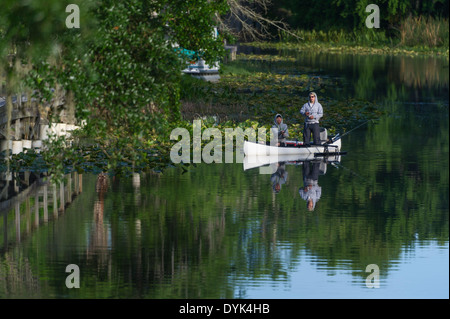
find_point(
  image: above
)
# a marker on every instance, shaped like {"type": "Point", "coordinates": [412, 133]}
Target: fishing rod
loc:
{"type": "Point", "coordinates": [329, 143]}
{"type": "Point", "coordinates": [338, 136]}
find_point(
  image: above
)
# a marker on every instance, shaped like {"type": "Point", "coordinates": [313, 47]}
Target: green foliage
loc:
{"type": "Point", "coordinates": [350, 15]}
{"type": "Point", "coordinates": [369, 37]}
{"type": "Point", "coordinates": [342, 22]}
{"type": "Point", "coordinates": [126, 85]}
{"type": "Point", "coordinates": [353, 48]}
{"type": "Point", "coordinates": [123, 68]}
{"type": "Point", "coordinates": [35, 29]}
{"type": "Point", "coordinates": [190, 26]}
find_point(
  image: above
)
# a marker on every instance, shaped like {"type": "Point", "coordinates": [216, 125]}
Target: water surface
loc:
{"type": "Point", "coordinates": [218, 231]}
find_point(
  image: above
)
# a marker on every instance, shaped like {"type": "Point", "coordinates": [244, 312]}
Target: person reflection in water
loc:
{"type": "Point", "coordinates": [311, 191]}
{"type": "Point", "coordinates": [279, 177]}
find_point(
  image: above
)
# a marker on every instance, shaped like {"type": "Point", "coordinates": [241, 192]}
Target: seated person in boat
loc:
{"type": "Point", "coordinates": [312, 111]}
{"type": "Point", "coordinates": [281, 129]}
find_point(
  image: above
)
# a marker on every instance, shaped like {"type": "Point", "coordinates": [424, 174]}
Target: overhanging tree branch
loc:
{"type": "Point", "coordinates": [247, 20]}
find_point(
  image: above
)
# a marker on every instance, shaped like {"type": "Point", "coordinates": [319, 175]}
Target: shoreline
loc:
{"type": "Point", "coordinates": [336, 48]}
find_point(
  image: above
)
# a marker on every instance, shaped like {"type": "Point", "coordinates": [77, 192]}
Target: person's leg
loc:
{"type": "Point", "coordinates": [306, 134]}
{"type": "Point", "coordinates": [316, 133]}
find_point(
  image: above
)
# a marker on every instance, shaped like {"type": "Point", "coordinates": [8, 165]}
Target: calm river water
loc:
{"type": "Point", "coordinates": [218, 231]}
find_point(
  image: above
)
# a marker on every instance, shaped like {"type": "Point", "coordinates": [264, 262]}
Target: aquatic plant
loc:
{"type": "Point", "coordinates": [259, 96]}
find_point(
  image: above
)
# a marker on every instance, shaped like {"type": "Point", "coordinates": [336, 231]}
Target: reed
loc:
{"type": "Point", "coordinates": [334, 36]}
{"type": "Point", "coordinates": [413, 32]}
{"type": "Point", "coordinates": [424, 31]}
{"type": "Point", "coordinates": [340, 36]}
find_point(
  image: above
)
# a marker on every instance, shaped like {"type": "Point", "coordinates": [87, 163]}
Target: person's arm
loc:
{"type": "Point", "coordinates": [277, 130]}
{"type": "Point", "coordinates": [286, 132]}
{"type": "Point", "coordinates": [319, 113]}
{"type": "Point", "coordinates": [303, 110]}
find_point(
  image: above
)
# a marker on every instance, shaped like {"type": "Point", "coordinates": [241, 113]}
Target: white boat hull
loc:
{"type": "Point", "coordinates": [254, 161]}
{"type": "Point", "coordinates": [252, 149]}
{"type": "Point", "coordinates": [203, 71]}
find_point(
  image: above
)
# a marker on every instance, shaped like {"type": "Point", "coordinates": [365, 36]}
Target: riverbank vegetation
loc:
{"type": "Point", "coordinates": [405, 27]}
{"type": "Point", "coordinates": [123, 68]}
{"type": "Point", "coordinates": [257, 96]}
{"type": "Point", "coordinates": [415, 36]}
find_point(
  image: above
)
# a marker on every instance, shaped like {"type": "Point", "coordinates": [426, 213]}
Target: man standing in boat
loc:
{"type": "Point", "coordinates": [312, 111]}
{"type": "Point", "coordinates": [281, 129]}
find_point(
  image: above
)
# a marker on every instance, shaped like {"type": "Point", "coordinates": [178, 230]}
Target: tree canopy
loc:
{"type": "Point", "coordinates": [123, 65]}
{"type": "Point", "coordinates": [350, 14]}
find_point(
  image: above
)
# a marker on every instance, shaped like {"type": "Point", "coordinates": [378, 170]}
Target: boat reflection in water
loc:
{"type": "Point", "coordinates": [312, 168]}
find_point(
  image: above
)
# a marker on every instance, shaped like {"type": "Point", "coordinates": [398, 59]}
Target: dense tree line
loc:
{"type": "Point", "coordinates": [123, 65]}
{"type": "Point", "coordinates": [349, 14]}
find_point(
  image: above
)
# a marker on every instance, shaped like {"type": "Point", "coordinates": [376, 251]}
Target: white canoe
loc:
{"type": "Point", "coordinates": [267, 150]}
{"type": "Point", "coordinates": [254, 161]}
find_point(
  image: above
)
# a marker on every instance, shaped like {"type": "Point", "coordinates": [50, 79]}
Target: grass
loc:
{"type": "Point", "coordinates": [420, 31]}
{"type": "Point", "coordinates": [415, 36]}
